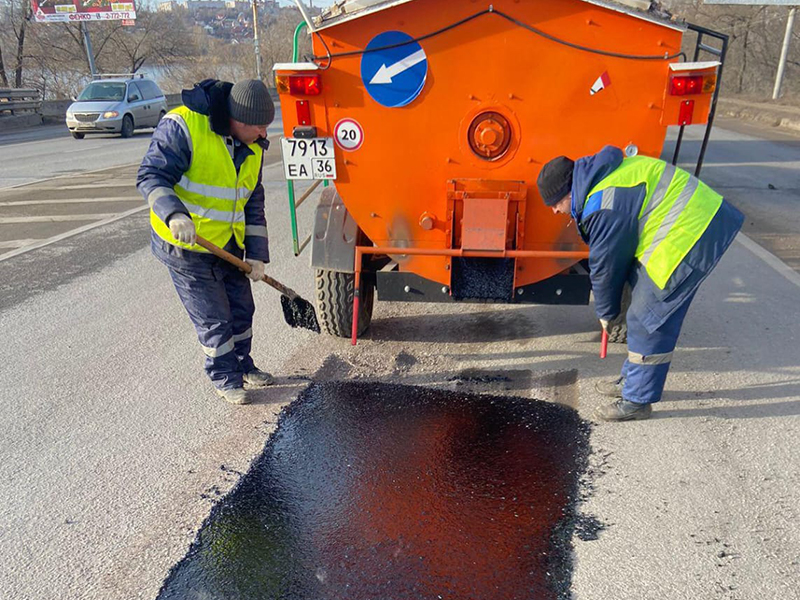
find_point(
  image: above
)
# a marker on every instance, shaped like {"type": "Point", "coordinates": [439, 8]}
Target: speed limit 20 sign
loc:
{"type": "Point", "coordinates": [349, 134]}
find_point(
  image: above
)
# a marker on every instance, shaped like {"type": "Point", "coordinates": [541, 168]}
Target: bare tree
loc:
{"type": "Point", "coordinates": [754, 44]}
{"type": "Point", "coordinates": [3, 76]}
{"type": "Point", "coordinates": [14, 18]}
{"type": "Point", "coordinates": [277, 34]}
{"type": "Point", "coordinates": [159, 39]}
{"type": "Point", "coordinates": [213, 58]}
{"type": "Point", "coordinates": [102, 33]}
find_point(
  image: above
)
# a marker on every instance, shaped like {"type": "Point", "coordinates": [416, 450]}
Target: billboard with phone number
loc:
{"type": "Point", "coordinates": [66, 11]}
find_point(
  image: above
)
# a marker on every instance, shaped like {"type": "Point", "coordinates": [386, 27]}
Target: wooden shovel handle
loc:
{"type": "Point", "coordinates": [238, 262]}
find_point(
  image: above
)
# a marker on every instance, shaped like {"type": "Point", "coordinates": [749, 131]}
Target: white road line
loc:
{"type": "Point", "coordinates": [54, 218]}
{"type": "Point", "coordinates": [88, 186]}
{"type": "Point", "coordinates": [73, 201]}
{"type": "Point", "coordinates": [768, 257]}
{"type": "Point", "coordinates": [73, 175]}
{"type": "Point", "coordinates": [71, 233]}
{"type": "Point", "coordinates": [17, 243]}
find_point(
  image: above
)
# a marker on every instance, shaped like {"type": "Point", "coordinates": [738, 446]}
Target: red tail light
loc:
{"type": "Point", "coordinates": [299, 85]}
{"type": "Point", "coordinates": [686, 85]}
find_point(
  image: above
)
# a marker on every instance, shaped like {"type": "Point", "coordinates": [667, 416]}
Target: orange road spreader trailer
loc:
{"type": "Point", "coordinates": [432, 118]}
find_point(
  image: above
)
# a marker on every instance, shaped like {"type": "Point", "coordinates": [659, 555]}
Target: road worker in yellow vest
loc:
{"type": "Point", "coordinates": [655, 227]}
{"type": "Point", "coordinates": [202, 176]}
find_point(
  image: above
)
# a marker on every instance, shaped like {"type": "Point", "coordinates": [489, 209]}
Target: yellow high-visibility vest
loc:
{"type": "Point", "coordinates": [212, 191]}
{"type": "Point", "coordinates": [676, 210]}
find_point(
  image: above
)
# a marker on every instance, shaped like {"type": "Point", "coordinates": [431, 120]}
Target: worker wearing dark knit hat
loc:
{"type": "Point", "coordinates": [202, 177]}
{"type": "Point", "coordinates": [625, 209]}
{"type": "Point", "coordinates": [555, 182]}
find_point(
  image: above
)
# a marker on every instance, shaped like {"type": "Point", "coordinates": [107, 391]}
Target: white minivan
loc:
{"type": "Point", "coordinates": [116, 105]}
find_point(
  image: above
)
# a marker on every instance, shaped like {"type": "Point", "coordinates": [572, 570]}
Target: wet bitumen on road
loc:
{"type": "Point", "coordinates": [375, 491]}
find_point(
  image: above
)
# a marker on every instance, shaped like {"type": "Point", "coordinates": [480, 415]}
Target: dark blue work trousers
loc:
{"type": "Point", "coordinates": [650, 355]}
{"type": "Point", "coordinates": [220, 304]}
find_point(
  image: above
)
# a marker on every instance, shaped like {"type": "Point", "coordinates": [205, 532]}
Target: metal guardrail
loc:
{"type": "Point", "coordinates": [16, 101]}
{"type": "Point", "coordinates": [119, 76]}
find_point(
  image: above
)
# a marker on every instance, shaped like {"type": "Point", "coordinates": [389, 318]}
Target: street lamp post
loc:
{"type": "Point", "coordinates": [255, 39]}
{"type": "Point", "coordinates": [787, 38]}
{"type": "Point", "coordinates": [87, 43]}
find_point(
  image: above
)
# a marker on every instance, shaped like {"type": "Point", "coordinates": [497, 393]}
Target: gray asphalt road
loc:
{"type": "Point", "coordinates": [758, 169]}
{"type": "Point", "coordinates": [114, 446]}
{"type": "Point", "coordinates": [44, 152]}
{"type": "Point", "coordinates": [58, 155]}
{"type": "Point", "coordinates": [39, 211]}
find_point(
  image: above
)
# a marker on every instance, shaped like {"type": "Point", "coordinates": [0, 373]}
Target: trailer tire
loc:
{"type": "Point", "coordinates": [334, 299]}
{"type": "Point", "coordinates": [618, 328]}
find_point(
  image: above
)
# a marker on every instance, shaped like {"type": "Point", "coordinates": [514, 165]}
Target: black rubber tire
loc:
{"type": "Point", "coordinates": [78, 136]}
{"type": "Point", "coordinates": [334, 300]}
{"type": "Point", "coordinates": [127, 126]}
{"type": "Point", "coordinates": [160, 116]}
{"type": "Point", "coordinates": [618, 329]}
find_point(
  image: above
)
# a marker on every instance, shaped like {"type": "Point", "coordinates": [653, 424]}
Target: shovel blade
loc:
{"type": "Point", "coordinates": [300, 313]}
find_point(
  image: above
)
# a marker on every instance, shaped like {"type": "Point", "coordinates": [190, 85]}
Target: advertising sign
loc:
{"type": "Point", "coordinates": [755, 2]}
{"type": "Point", "coordinates": [73, 11]}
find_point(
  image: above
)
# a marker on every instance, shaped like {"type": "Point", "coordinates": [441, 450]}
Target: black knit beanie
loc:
{"type": "Point", "coordinates": [555, 180]}
{"type": "Point", "coordinates": [250, 103]}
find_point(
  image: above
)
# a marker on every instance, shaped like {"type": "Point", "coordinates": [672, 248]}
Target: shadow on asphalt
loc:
{"type": "Point", "coordinates": [505, 324]}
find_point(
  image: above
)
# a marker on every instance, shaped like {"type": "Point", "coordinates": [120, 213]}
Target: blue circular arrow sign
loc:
{"type": "Point", "coordinates": [395, 76]}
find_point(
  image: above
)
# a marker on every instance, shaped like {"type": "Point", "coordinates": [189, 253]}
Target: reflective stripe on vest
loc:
{"type": "Point", "coordinates": [676, 210]}
{"type": "Point", "coordinates": [212, 191]}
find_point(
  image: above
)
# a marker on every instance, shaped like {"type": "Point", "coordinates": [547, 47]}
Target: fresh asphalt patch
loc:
{"type": "Point", "coordinates": [370, 490]}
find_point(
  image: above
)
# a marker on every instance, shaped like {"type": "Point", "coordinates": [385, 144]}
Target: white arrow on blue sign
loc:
{"type": "Point", "coordinates": [396, 75]}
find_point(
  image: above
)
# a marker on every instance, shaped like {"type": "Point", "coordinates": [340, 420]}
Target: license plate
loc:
{"type": "Point", "coordinates": [308, 158]}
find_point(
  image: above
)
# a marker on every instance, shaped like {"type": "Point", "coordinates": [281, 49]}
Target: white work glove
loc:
{"type": "Point", "coordinates": [257, 269]}
{"type": "Point", "coordinates": [182, 229]}
{"type": "Point", "coordinates": [613, 322]}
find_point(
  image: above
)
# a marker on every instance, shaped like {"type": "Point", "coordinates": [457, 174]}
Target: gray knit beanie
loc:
{"type": "Point", "coordinates": [250, 103]}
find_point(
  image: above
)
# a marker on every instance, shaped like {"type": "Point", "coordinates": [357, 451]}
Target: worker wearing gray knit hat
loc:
{"type": "Point", "coordinates": [202, 177]}
{"type": "Point", "coordinates": [250, 103]}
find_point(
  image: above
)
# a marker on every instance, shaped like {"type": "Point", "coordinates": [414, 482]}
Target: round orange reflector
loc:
{"type": "Point", "coordinates": [489, 135]}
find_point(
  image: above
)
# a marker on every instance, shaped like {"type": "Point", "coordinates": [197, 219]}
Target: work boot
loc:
{"type": "Point", "coordinates": [258, 379]}
{"type": "Point", "coordinates": [237, 395]}
{"type": "Point", "coordinates": [622, 410]}
{"type": "Point", "coordinates": [611, 388]}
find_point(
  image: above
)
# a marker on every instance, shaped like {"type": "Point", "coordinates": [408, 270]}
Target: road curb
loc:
{"type": "Point", "coordinates": [774, 115]}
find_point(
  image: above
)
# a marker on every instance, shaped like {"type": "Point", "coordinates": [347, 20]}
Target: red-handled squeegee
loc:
{"type": "Point", "coordinates": [604, 344]}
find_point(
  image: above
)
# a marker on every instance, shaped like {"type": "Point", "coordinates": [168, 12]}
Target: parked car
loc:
{"type": "Point", "coordinates": [116, 105]}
